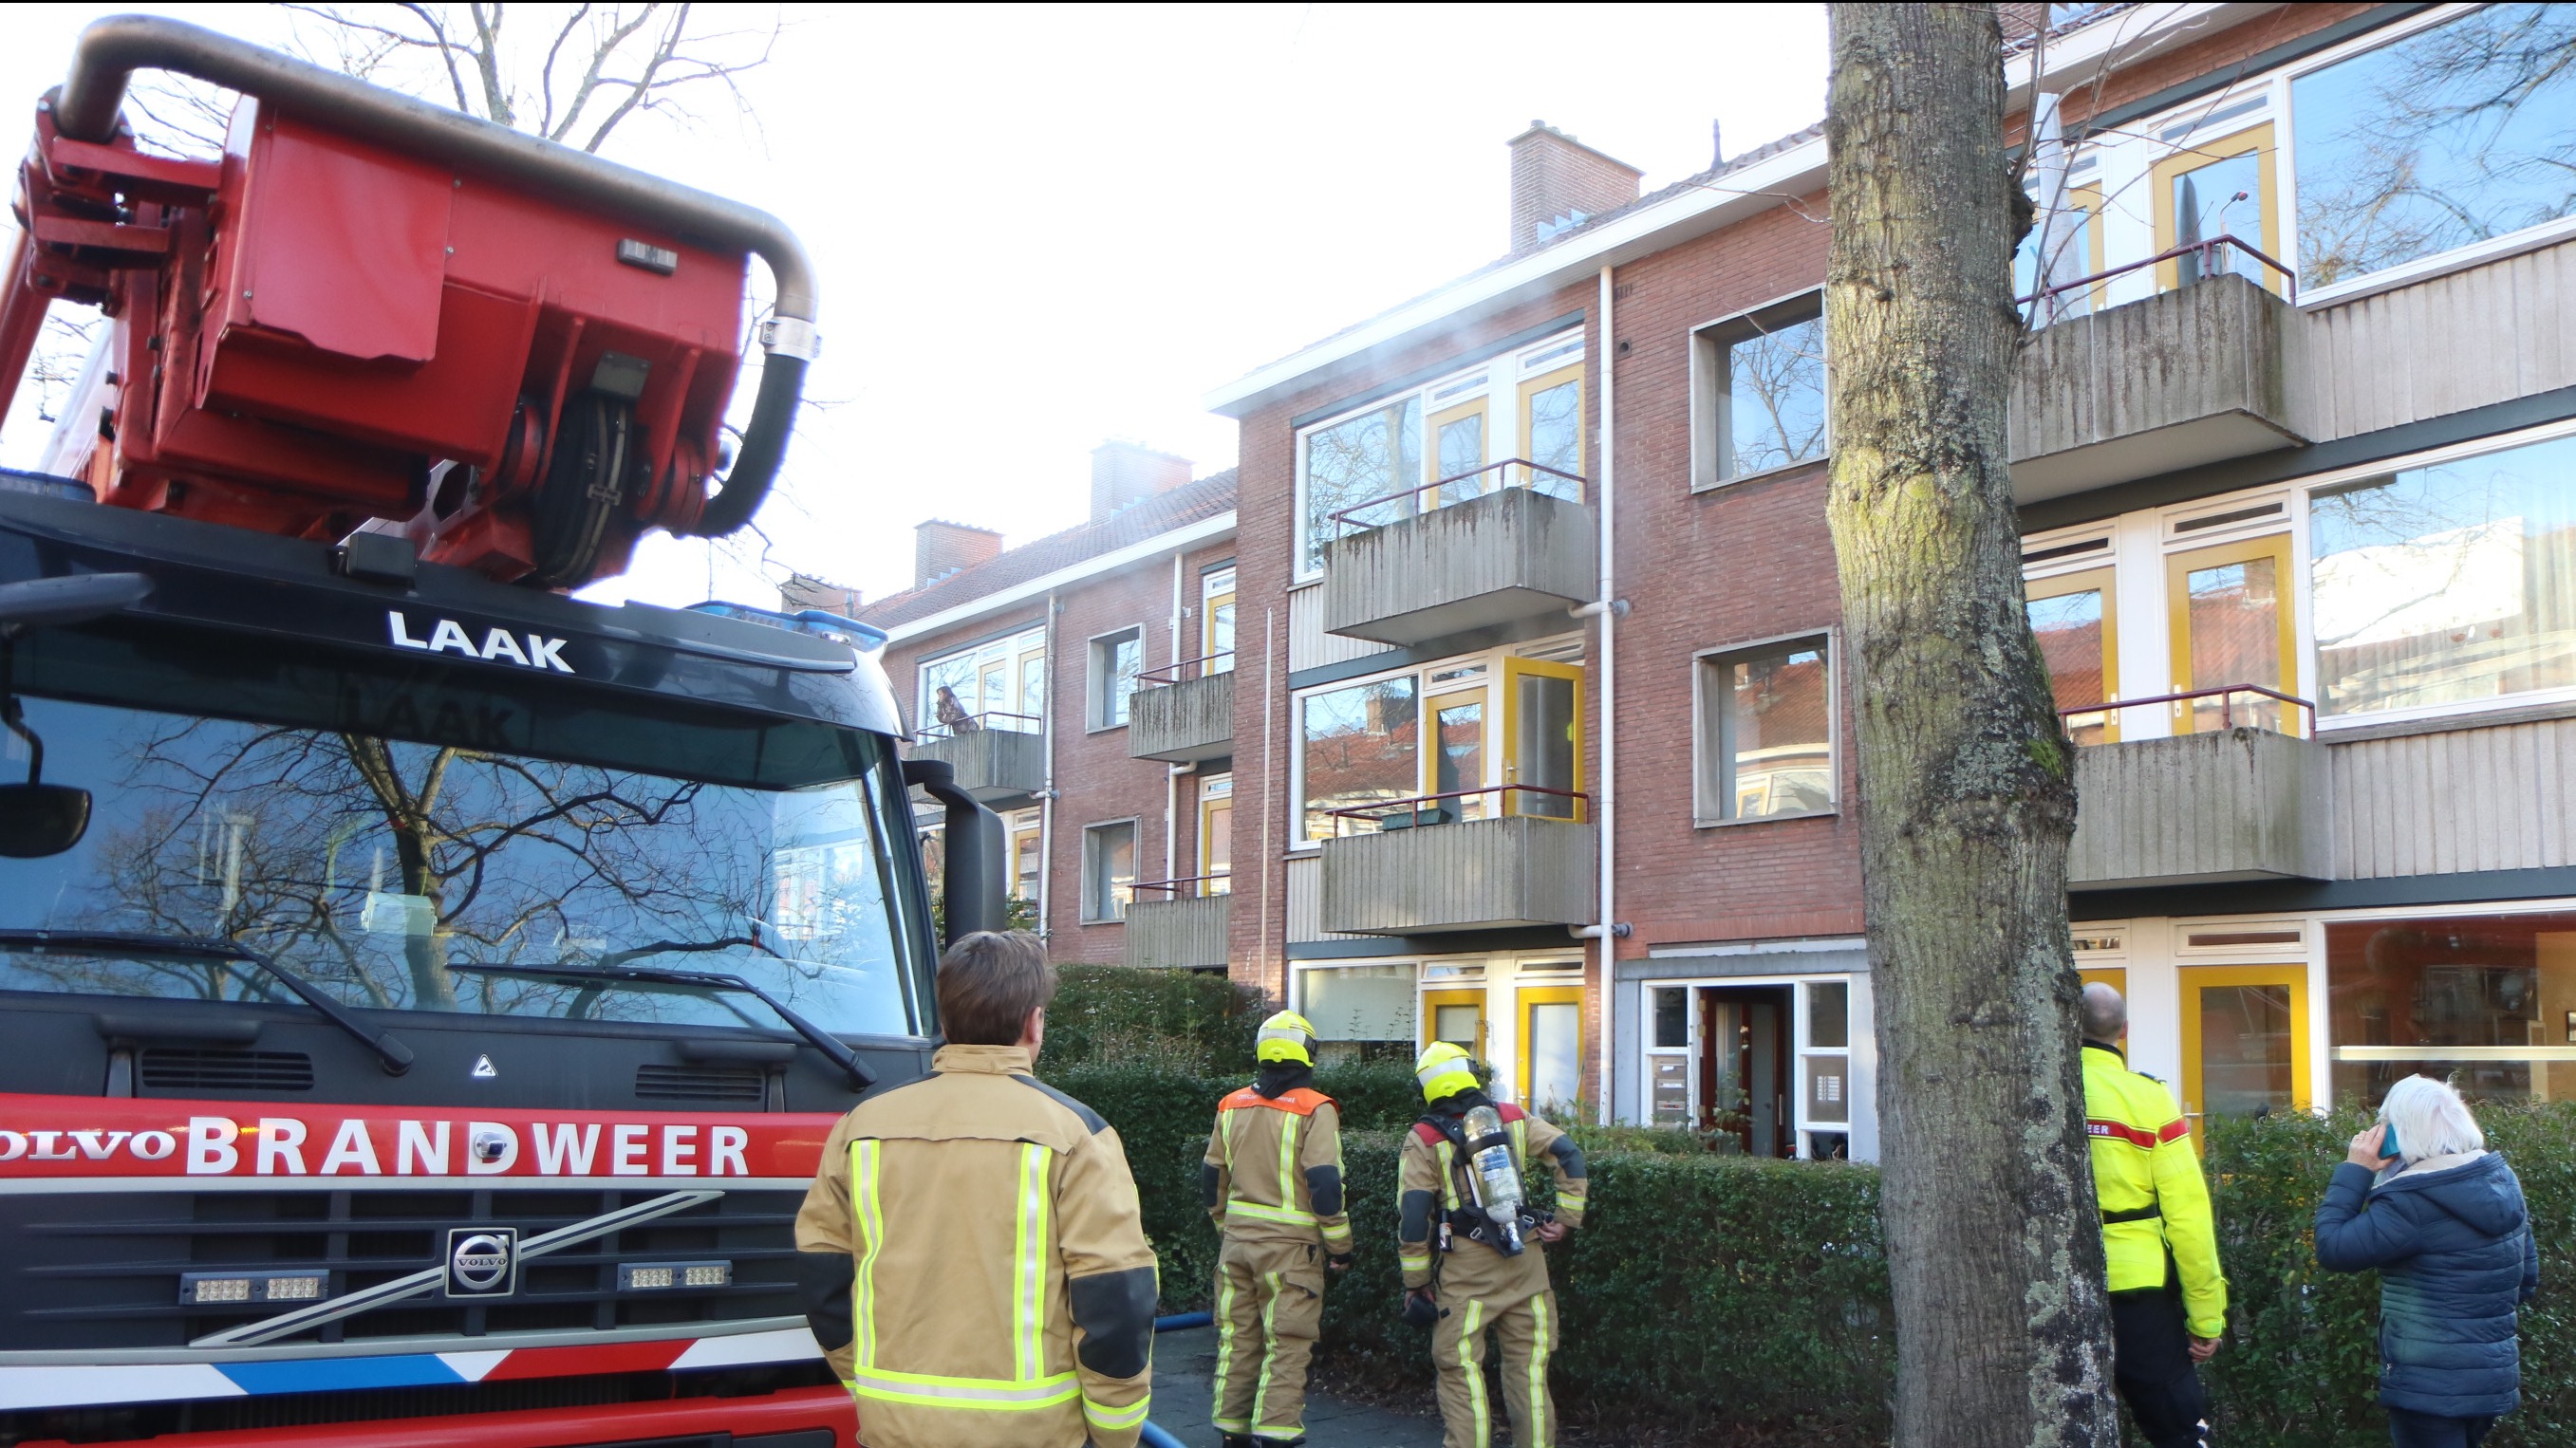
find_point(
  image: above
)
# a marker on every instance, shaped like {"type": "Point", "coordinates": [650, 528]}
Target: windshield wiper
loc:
{"type": "Point", "coordinates": [832, 1047]}
{"type": "Point", "coordinates": [396, 1056]}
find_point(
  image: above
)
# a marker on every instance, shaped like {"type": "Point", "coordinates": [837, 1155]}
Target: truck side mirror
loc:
{"type": "Point", "coordinates": [39, 819]}
{"type": "Point", "coordinates": [973, 883]}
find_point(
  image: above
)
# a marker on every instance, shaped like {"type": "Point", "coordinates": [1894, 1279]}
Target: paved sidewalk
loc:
{"type": "Point", "coordinates": [1185, 1365]}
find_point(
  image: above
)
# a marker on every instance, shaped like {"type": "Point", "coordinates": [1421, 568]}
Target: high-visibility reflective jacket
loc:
{"type": "Point", "coordinates": [974, 1263]}
{"type": "Point", "coordinates": [2152, 1196]}
{"type": "Point", "coordinates": [1430, 1177]}
{"type": "Point", "coordinates": [1273, 1170]}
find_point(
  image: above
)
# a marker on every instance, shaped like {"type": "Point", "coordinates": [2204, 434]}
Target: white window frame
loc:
{"type": "Point", "coordinates": [1710, 394]}
{"type": "Point", "coordinates": [1498, 376]}
{"type": "Point", "coordinates": [1709, 763]}
{"type": "Point", "coordinates": [1098, 701]}
{"type": "Point", "coordinates": [1006, 647]}
{"type": "Point", "coordinates": [1092, 882]}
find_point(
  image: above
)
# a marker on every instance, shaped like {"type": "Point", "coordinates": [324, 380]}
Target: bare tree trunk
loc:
{"type": "Point", "coordinates": [1966, 777]}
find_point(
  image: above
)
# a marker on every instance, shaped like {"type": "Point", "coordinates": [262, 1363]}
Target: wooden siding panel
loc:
{"type": "Point", "coordinates": [1309, 647]}
{"type": "Point", "coordinates": [2460, 800]}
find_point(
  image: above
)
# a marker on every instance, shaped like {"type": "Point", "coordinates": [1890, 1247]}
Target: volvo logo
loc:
{"type": "Point", "coordinates": [482, 1261]}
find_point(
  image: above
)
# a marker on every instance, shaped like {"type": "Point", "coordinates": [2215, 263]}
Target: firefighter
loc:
{"type": "Point", "coordinates": [970, 1253]}
{"type": "Point", "coordinates": [1272, 1179]}
{"type": "Point", "coordinates": [1473, 1253]}
{"type": "Point", "coordinates": [2168, 1297]}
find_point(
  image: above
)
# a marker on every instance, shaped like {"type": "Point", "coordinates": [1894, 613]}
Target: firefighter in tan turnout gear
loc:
{"type": "Point", "coordinates": [1272, 1180]}
{"type": "Point", "coordinates": [971, 1254]}
{"type": "Point", "coordinates": [1472, 1248]}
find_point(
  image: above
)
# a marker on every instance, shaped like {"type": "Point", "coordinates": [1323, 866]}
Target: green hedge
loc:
{"type": "Point", "coordinates": [1707, 1290]}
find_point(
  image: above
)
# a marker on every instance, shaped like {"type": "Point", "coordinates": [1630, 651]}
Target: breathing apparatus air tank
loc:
{"type": "Point", "coordinates": [1497, 1178]}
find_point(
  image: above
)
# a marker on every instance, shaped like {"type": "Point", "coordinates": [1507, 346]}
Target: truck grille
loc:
{"type": "Point", "coordinates": [196, 1070]}
{"type": "Point", "coordinates": [700, 1083]}
{"type": "Point", "coordinates": [95, 1270]}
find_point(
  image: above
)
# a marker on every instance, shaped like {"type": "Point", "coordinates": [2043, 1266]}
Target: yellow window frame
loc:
{"type": "Point", "coordinates": [1532, 997]}
{"type": "Point", "coordinates": [1433, 1000]}
{"type": "Point", "coordinates": [1473, 806]}
{"type": "Point", "coordinates": [1209, 603]}
{"type": "Point", "coordinates": [1432, 471]}
{"type": "Point", "coordinates": [2196, 978]}
{"type": "Point", "coordinates": [1209, 806]}
{"type": "Point", "coordinates": [1514, 670]}
{"type": "Point", "coordinates": [1531, 387]}
{"type": "Point", "coordinates": [2091, 580]}
{"type": "Point", "coordinates": [2178, 570]}
{"type": "Point", "coordinates": [2256, 142]}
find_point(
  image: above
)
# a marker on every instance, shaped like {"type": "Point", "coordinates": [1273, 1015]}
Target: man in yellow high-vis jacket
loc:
{"type": "Point", "coordinates": [971, 1253]}
{"type": "Point", "coordinates": [2168, 1297]}
{"type": "Point", "coordinates": [1272, 1179]}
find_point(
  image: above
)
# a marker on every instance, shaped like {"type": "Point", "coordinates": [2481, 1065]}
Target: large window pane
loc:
{"type": "Point", "coordinates": [2069, 630]}
{"type": "Point", "coordinates": [2450, 136]}
{"type": "Point", "coordinates": [2223, 198]}
{"type": "Point", "coordinates": [1772, 716]}
{"type": "Point", "coordinates": [1556, 439]}
{"type": "Point", "coordinates": [2448, 584]}
{"type": "Point", "coordinates": [1775, 398]}
{"type": "Point", "coordinates": [1360, 748]}
{"type": "Point", "coordinates": [2232, 622]}
{"type": "Point", "coordinates": [2486, 1002]}
{"type": "Point", "coordinates": [1554, 1054]}
{"type": "Point", "coordinates": [1108, 870]}
{"type": "Point", "coordinates": [1360, 1003]}
{"type": "Point", "coordinates": [1351, 462]}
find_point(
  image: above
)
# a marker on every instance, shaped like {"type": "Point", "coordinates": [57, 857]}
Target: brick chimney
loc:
{"type": "Point", "coordinates": [1557, 180]}
{"type": "Point", "coordinates": [803, 591]}
{"type": "Point", "coordinates": [1123, 475]}
{"type": "Point", "coordinates": [940, 548]}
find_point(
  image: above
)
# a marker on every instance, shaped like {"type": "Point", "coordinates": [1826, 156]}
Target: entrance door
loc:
{"type": "Point", "coordinates": [1744, 1066]}
{"type": "Point", "coordinates": [1455, 1016]}
{"type": "Point", "coordinates": [1551, 1048]}
{"type": "Point", "coordinates": [2232, 624]}
{"type": "Point", "coordinates": [2244, 1041]}
{"type": "Point", "coordinates": [1216, 834]}
{"type": "Point", "coordinates": [1543, 737]}
{"type": "Point", "coordinates": [1216, 615]}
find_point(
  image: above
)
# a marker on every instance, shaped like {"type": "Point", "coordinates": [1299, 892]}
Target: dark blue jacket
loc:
{"type": "Point", "coordinates": [2455, 1256]}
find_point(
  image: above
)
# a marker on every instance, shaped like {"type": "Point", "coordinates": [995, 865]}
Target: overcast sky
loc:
{"type": "Point", "coordinates": [1039, 228]}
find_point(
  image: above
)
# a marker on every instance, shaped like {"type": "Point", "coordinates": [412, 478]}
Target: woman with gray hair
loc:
{"type": "Point", "coordinates": [2442, 1218]}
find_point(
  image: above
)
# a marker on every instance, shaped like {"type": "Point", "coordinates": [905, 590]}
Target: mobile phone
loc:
{"type": "Point", "coordinates": [2388, 1141]}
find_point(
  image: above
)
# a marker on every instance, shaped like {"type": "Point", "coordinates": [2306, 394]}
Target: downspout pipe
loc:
{"type": "Point", "coordinates": [88, 107]}
{"type": "Point", "coordinates": [1605, 790]}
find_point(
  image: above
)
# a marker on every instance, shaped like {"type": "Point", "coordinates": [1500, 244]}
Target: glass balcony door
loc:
{"type": "Point", "coordinates": [1457, 448]}
{"type": "Point", "coordinates": [2244, 1041]}
{"type": "Point", "coordinates": [1458, 758]}
{"type": "Point", "coordinates": [2077, 625]}
{"type": "Point", "coordinates": [2232, 623]}
{"type": "Point", "coordinates": [1543, 735]}
{"type": "Point", "coordinates": [1216, 834]}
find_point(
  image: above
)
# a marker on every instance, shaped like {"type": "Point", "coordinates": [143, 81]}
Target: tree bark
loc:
{"type": "Point", "coordinates": [1967, 796]}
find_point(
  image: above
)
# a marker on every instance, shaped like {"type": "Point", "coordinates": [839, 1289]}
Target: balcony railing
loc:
{"type": "Point", "coordinates": [1454, 489]}
{"type": "Point", "coordinates": [1006, 722]}
{"type": "Point", "coordinates": [1188, 886]}
{"type": "Point", "coordinates": [1412, 813]}
{"type": "Point", "coordinates": [2209, 253]}
{"type": "Point", "coordinates": [1187, 671]}
{"type": "Point", "coordinates": [1428, 868]}
{"type": "Point", "coordinates": [2259, 716]}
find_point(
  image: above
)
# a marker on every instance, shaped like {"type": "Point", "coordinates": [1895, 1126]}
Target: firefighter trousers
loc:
{"type": "Point", "coordinates": [1269, 1305]}
{"type": "Point", "coordinates": [1524, 1321]}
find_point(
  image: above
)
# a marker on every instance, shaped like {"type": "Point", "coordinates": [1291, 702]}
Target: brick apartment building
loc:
{"type": "Point", "coordinates": [2295, 440]}
{"type": "Point", "coordinates": [1018, 667]}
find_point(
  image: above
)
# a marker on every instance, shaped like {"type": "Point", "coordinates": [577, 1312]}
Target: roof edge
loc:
{"type": "Point", "coordinates": [1771, 181]}
{"type": "Point", "coordinates": [1205, 530]}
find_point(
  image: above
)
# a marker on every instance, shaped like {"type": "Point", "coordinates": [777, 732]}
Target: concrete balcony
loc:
{"type": "Point", "coordinates": [1181, 933]}
{"type": "Point", "coordinates": [1190, 722]}
{"type": "Point", "coordinates": [1511, 554]}
{"type": "Point", "coordinates": [2182, 378]}
{"type": "Point", "coordinates": [2231, 804]}
{"type": "Point", "coordinates": [1473, 875]}
{"type": "Point", "coordinates": [999, 767]}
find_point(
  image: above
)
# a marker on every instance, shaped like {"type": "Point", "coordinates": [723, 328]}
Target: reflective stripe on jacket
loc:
{"type": "Point", "coordinates": [2148, 1180]}
{"type": "Point", "coordinates": [975, 1265]}
{"type": "Point", "coordinates": [1273, 1170]}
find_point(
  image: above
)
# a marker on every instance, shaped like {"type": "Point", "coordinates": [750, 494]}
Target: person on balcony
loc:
{"type": "Point", "coordinates": [1272, 1179]}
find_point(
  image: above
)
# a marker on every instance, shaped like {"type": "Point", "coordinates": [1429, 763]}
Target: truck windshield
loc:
{"type": "Point", "coordinates": [369, 863]}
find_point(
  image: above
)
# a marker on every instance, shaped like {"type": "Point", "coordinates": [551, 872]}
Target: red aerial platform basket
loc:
{"type": "Point", "coordinates": [371, 308]}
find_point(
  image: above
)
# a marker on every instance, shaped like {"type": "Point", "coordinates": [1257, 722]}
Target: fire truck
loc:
{"type": "Point", "coordinates": [423, 994]}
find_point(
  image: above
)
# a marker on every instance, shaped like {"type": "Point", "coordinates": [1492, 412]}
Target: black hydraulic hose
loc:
{"type": "Point", "coordinates": [764, 447]}
{"type": "Point", "coordinates": [112, 49]}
